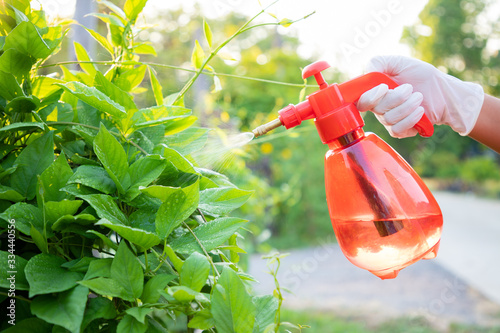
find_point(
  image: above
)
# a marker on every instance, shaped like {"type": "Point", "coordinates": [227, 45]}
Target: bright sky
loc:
{"type": "Point", "coordinates": [345, 33]}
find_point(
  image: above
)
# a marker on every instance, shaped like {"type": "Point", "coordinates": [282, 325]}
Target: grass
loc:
{"type": "Point", "coordinates": [322, 322]}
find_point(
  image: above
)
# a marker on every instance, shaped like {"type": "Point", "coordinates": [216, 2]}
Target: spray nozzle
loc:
{"type": "Point", "coordinates": [263, 129]}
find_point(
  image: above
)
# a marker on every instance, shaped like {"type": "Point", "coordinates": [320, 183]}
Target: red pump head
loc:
{"type": "Point", "coordinates": [333, 107]}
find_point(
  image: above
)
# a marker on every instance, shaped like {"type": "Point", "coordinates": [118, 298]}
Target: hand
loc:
{"type": "Point", "coordinates": [444, 98]}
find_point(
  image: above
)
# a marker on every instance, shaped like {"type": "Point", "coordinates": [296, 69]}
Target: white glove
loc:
{"type": "Point", "coordinates": [445, 99]}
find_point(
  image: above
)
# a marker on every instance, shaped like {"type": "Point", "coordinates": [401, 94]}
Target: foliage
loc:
{"type": "Point", "coordinates": [479, 169]}
{"type": "Point", "coordinates": [115, 230]}
{"type": "Point", "coordinates": [278, 164]}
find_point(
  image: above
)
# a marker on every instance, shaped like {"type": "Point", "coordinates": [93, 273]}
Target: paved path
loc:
{"type": "Point", "coordinates": [470, 244]}
{"type": "Point", "coordinates": [463, 285]}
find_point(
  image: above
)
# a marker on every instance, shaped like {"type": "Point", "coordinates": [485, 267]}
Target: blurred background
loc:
{"type": "Point", "coordinates": [260, 73]}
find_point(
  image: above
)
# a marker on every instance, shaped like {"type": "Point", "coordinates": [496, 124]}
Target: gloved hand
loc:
{"type": "Point", "coordinates": [445, 99]}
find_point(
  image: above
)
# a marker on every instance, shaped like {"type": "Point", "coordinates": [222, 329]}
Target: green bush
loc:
{"type": "Point", "coordinates": [106, 223]}
{"type": "Point", "coordinates": [479, 169]}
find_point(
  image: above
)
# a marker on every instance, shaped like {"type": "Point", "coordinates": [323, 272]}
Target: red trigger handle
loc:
{"type": "Point", "coordinates": [353, 89]}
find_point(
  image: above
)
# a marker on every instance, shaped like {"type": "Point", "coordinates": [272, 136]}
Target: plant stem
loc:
{"type": "Point", "coordinates": [204, 72]}
{"type": "Point", "coordinates": [213, 53]}
{"type": "Point", "coordinates": [203, 248]}
{"type": "Point", "coordinates": [16, 297]}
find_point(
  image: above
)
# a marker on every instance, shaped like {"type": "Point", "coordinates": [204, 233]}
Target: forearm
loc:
{"type": "Point", "coordinates": [487, 128]}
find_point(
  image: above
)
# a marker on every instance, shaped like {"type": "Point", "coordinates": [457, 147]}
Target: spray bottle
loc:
{"type": "Point", "coordinates": [384, 216]}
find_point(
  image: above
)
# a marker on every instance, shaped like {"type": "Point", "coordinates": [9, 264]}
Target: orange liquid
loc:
{"type": "Point", "coordinates": [362, 243]}
{"type": "Point", "coordinates": [384, 216]}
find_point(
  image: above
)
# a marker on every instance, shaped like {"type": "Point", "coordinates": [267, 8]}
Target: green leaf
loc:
{"type": "Point", "coordinates": [99, 268]}
{"type": "Point", "coordinates": [143, 219]}
{"type": "Point", "coordinates": [12, 265]}
{"type": "Point", "coordinates": [179, 124]}
{"type": "Point", "coordinates": [39, 239]}
{"type": "Point", "coordinates": [66, 309]}
{"type": "Point", "coordinates": [156, 86]}
{"type": "Point", "coordinates": [44, 86]}
{"type": "Point", "coordinates": [158, 115]}
{"type": "Point", "coordinates": [182, 293]}
{"type": "Point", "coordinates": [286, 22]}
{"type": "Point", "coordinates": [57, 209]}
{"type": "Point", "coordinates": [198, 56]}
{"type": "Point", "coordinates": [9, 87]}
{"type": "Point", "coordinates": [107, 287]}
{"type": "Point", "coordinates": [178, 207]}
{"type": "Point", "coordinates": [179, 161]}
{"type": "Point", "coordinates": [266, 306]}
{"type": "Point", "coordinates": [79, 190]}
{"type": "Point", "coordinates": [130, 325]}
{"type": "Point", "coordinates": [26, 39]}
{"type": "Point", "coordinates": [101, 40]}
{"type": "Point", "coordinates": [127, 271]}
{"type": "Point", "coordinates": [160, 192]}
{"type": "Point", "coordinates": [202, 320]}
{"type": "Point", "coordinates": [133, 8]}
{"type": "Point", "coordinates": [158, 282]}
{"type": "Point", "coordinates": [25, 215]}
{"type": "Point", "coordinates": [21, 126]}
{"type": "Point", "coordinates": [117, 10]}
{"type": "Point", "coordinates": [213, 178]}
{"type": "Point", "coordinates": [68, 223]}
{"type": "Point", "coordinates": [106, 208]}
{"type": "Point", "coordinates": [208, 33]}
{"type": "Point", "coordinates": [109, 18]}
{"type": "Point", "coordinates": [16, 63]}
{"type": "Point", "coordinates": [97, 308]}
{"type": "Point", "coordinates": [131, 78]}
{"type": "Point", "coordinates": [82, 56]}
{"type": "Point", "coordinates": [142, 238]}
{"type": "Point", "coordinates": [195, 272]}
{"type": "Point", "coordinates": [116, 94]}
{"type": "Point", "coordinates": [113, 157]}
{"type": "Point", "coordinates": [187, 141]}
{"type": "Point", "coordinates": [232, 306]}
{"type": "Point", "coordinates": [54, 178]}
{"type": "Point", "coordinates": [210, 234]}
{"type": "Point", "coordinates": [93, 176]}
{"type": "Point", "coordinates": [19, 15]}
{"type": "Point", "coordinates": [222, 200]}
{"type": "Point", "coordinates": [145, 48]}
{"type": "Point", "coordinates": [79, 265]}
{"type": "Point", "coordinates": [22, 104]}
{"type": "Point", "coordinates": [117, 35]}
{"type": "Point", "coordinates": [7, 193]}
{"type": "Point", "coordinates": [21, 5]}
{"type": "Point", "coordinates": [45, 275]}
{"type": "Point", "coordinates": [53, 36]}
{"type": "Point", "coordinates": [139, 313]}
{"type": "Point", "coordinates": [144, 171]}
{"type": "Point", "coordinates": [95, 98]}
{"type": "Point", "coordinates": [32, 161]}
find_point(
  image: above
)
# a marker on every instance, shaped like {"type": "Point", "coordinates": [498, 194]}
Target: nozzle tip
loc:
{"type": "Point", "coordinates": [259, 131]}
{"type": "Point", "coordinates": [263, 129]}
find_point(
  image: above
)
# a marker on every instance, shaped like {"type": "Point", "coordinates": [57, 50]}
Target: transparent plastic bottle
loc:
{"type": "Point", "coordinates": [384, 216]}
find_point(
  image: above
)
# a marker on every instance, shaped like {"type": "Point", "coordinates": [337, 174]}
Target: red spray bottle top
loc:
{"type": "Point", "coordinates": [334, 106]}
{"type": "Point", "coordinates": [384, 216]}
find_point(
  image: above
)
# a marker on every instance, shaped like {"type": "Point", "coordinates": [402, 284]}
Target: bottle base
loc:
{"type": "Point", "coordinates": [391, 273]}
